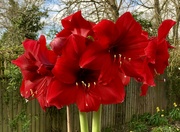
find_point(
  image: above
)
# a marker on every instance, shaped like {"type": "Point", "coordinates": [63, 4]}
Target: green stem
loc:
{"type": "Point", "coordinates": [83, 122]}
{"type": "Point", "coordinates": [96, 120]}
{"type": "Point", "coordinates": [68, 119]}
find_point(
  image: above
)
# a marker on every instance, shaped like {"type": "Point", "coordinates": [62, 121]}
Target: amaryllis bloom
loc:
{"type": "Point", "coordinates": [81, 80]}
{"type": "Point", "coordinates": [125, 40]}
{"type": "Point", "coordinates": [73, 24]}
{"type": "Point", "coordinates": [157, 51]}
{"type": "Point", "coordinates": [36, 64]}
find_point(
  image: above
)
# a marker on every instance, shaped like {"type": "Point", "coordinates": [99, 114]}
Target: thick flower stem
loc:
{"type": "Point", "coordinates": [83, 122]}
{"type": "Point", "coordinates": [68, 119]}
{"type": "Point", "coordinates": [96, 120]}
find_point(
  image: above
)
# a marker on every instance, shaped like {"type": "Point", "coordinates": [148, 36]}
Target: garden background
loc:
{"type": "Point", "coordinates": [20, 19]}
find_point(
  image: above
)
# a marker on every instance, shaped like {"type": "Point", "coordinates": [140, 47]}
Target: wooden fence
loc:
{"type": "Point", "coordinates": [54, 120]}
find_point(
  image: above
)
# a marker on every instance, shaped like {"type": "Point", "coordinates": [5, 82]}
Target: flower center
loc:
{"type": "Point", "coordinates": [87, 77]}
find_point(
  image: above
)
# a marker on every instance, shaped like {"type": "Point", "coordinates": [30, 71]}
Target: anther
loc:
{"type": "Point", "coordinates": [120, 62]}
{"type": "Point", "coordinates": [83, 83]}
{"type": "Point", "coordinates": [124, 57]}
{"type": "Point", "coordinates": [94, 83]}
{"type": "Point", "coordinates": [129, 59]}
{"type": "Point", "coordinates": [120, 55]}
{"type": "Point", "coordinates": [76, 83]}
{"type": "Point", "coordinates": [31, 91]}
{"type": "Point", "coordinates": [89, 85]}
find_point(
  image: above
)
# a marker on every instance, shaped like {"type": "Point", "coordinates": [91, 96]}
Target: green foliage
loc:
{"type": "Point", "coordinates": [173, 74]}
{"type": "Point", "coordinates": [165, 129]}
{"type": "Point", "coordinates": [22, 119]}
{"type": "Point", "coordinates": [161, 121]}
{"type": "Point", "coordinates": [158, 119]}
{"type": "Point", "coordinates": [174, 113]}
{"type": "Point", "coordinates": [138, 126]}
{"type": "Point", "coordinates": [23, 21]}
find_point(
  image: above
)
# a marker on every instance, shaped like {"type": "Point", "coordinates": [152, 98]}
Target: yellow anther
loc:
{"type": "Point", "coordinates": [89, 85]}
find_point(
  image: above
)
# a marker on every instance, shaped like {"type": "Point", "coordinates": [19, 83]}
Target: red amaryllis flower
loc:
{"type": "Point", "coordinates": [81, 81]}
{"type": "Point", "coordinates": [36, 64]}
{"type": "Point", "coordinates": [125, 40]}
{"type": "Point", "coordinates": [157, 51]}
{"type": "Point", "coordinates": [73, 24]}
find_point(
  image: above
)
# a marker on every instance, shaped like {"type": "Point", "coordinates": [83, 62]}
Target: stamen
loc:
{"type": "Point", "coordinates": [120, 55]}
{"type": "Point", "coordinates": [124, 57]}
{"type": "Point", "coordinates": [77, 84]}
{"type": "Point", "coordinates": [129, 59]}
{"type": "Point", "coordinates": [94, 83]}
{"type": "Point", "coordinates": [156, 72]}
{"type": "Point", "coordinates": [89, 85]}
{"type": "Point", "coordinates": [31, 91]}
{"type": "Point", "coordinates": [83, 83]}
{"type": "Point", "coordinates": [120, 63]}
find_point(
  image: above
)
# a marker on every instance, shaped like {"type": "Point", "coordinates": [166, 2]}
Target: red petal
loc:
{"type": "Point", "coordinates": [162, 57]}
{"type": "Point", "coordinates": [105, 33]}
{"type": "Point", "coordinates": [57, 44]}
{"type": "Point", "coordinates": [93, 57]}
{"type": "Point", "coordinates": [164, 28]}
{"type": "Point", "coordinates": [139, 69]}
{"type": "Point", "coordinates": [60, 94]}
{"type": "Point", "coordinates": [144, 89]}
{"type": "Point", "coordinates": [77, 24]}
{"type": "Point", "coordinates": [113, 92]}
{"type": "Point", "coordinates": [65, 70]}
{"type": "Point", "coordinates": [131, 39]}
{"type": "Point", "coordinates": [88, 100]}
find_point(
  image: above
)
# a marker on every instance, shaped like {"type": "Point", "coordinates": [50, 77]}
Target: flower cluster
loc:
{"type": "Point", "coordinates": [90, 63]}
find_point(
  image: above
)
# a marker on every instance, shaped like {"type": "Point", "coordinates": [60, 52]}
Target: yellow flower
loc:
{"type": "Point", "coordinates": [157, 109]}
{"type": "Point", "coordinates": [162, 115]}
{"type": "Point", "coordinates": [175, 105]}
